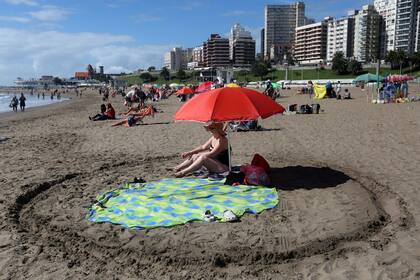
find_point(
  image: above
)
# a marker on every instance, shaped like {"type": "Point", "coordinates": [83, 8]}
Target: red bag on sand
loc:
{"type": "Point", "coordinates": [258, 160]}
{"type": "Point", "coordinates": [255, 175]}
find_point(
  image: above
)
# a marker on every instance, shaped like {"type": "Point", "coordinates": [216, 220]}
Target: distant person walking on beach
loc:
{"type": "Point", "coordinates": [22, 102]}
{"type": "Point", "coordinates": [38, 95]}
{"type": "Point", "coordinates": [14, 103]}
{"type": "Point", "coordinates": [338, 89]}
{"type": "Point", "coordinates": [310, 87]}
{"type": "Point", "coordinates": [43, 95]}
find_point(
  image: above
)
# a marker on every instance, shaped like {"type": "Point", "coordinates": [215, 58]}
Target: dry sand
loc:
{"type": "Point", "coordinates": [348, 183]}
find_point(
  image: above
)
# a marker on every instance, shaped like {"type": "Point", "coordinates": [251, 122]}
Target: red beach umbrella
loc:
{"type": "Point", "coordinates": [184, 90]}
{"type": "Point", "coordinates": [206, 86]}
{"type": "Point", "coordinates": [228, 104]}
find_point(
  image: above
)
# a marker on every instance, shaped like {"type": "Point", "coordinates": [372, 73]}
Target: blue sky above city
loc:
{"type": "Point", "coordinates": [59, 37]}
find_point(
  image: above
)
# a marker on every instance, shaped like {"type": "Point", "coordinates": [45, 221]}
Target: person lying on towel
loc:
{"type": "Point", "coordinates": [213, 154]}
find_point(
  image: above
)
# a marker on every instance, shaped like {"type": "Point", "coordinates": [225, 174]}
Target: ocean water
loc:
{"type": "Point", "coordinates": [31, 101]}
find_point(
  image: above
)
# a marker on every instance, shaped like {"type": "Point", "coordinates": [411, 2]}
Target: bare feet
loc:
{"type": "Point", "coordinates": [179, 174]}
{"type": "Point", "coordinates": [172, 169]}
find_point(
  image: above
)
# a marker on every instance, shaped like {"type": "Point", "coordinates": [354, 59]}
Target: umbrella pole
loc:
{"type": "Point", "coordinates": [229, 151]}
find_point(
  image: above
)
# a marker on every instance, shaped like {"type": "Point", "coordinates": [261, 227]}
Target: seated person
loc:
{"type": "Point", "coordinates": [99, 116]}
{"type": "Point", "coordinates": [133, 110]}
{"type": "Point", "coordinates": [213, 154]}
{"type": "Point", "coordinates": [108, 114]}
{"type": "Point", "coordinates": [346, 94]}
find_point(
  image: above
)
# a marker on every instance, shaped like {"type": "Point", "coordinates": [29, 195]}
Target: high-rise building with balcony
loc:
{"type": "Point", "coordinates": [341, 36]}
{"type": "Point", "coordinates": [280, 22]}
{"type": "Point", "coordinates": [178, 58]}
{"type": "Point", "coordinates": [241, 47]}
{"type": "Point", "coordinates": [311, 42]}
{"type": "Point", "coordinates": [367, 34]}
{"type": "Point", "coordinates": [216, 51]}
{"type": "Point", "coordinates": [198, 56]}
{"type": "Point", "coordinates": [400, 25]}
{"type": "Point", "coordinates": [387, 9]}
{"type": "Point", "coordinates": [262, 42]}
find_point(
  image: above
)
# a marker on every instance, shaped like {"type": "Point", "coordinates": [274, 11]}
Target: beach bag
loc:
{"type": "Point", "coordinates": [259, 161]}
{"type": "Point", "coordinates": [255, 175]}
{"type": "Point", "coordinates": [234, 178]}
{"type": "Point", "coordinates": [315, 108]}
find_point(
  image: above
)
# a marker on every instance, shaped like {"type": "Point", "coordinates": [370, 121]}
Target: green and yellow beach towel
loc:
{"type": "Point", "coordinates": [171, 202]}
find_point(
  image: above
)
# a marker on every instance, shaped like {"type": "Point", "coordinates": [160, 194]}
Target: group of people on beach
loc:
{"type": "Point", "coordinates": [21, 101]}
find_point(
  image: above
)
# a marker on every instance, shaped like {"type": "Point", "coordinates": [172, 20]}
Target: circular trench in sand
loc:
{"type": "Point", "coordinates": [319, 210]}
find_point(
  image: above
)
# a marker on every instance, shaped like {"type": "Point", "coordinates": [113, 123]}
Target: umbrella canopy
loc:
{"type": "Point", "coordinates": [185, 90]}
{"type": "Point", "coordinates": [275, 85]}
{"type": "Point", "coordinates": [174, 85]}
{"type": "Point", "coordinates": [204, 86]}
{"type": "Point", "coordinates": [399, 78]}
{"type": "Point", "coordinates": [228, 104]}
{"type": "Point", "coordinates": [232, 85]}
{"type": "Point", "coordinates": [368, 78]}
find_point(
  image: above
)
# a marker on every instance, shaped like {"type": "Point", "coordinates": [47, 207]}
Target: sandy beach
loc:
{"type": "Point", "coordinates": [347, 181]}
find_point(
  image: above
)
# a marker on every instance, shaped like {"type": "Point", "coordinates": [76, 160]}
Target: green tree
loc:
{"type": "Point", "coordinates": [151, 69]}
{"type": "Point", "coordinates": [260, 69]}
{"type": "Point", "coordinates": [354, 67]}
{"type": "Point", "coordinates": [414, 60]}
{"type": "Point", "coordinates": [165, 74]}
{"type": "Point", "coordinates": [397, 59]}
{"type": "Point", "coordinates": [146, 77]}
{"type": "Point", "coordinates": [181, 74]}
{"type": "Point", "coordinates": [339, 63]}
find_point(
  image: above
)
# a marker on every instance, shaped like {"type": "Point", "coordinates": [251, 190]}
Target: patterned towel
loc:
{"type": "Point", "coordinates": [171, 202]}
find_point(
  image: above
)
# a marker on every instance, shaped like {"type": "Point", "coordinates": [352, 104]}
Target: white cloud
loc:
{"type": "Point", "coordinates": [23, 2]}
{"type": "Point", "coordinates": [28, 54]}
{"type": "Point", "coordinates": [50, 14]}
{"type": "Point", "coordinates": [15, 19]}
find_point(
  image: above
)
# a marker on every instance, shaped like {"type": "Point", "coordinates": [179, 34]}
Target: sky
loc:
{"type": "Point", "coordinates": [48, 37]}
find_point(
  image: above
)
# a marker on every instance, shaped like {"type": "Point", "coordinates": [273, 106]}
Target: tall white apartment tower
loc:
{"type": "Point", "coordinates": [387, 9]}
{"type": "Point", "coordinates": [341, 36]}
{"type": "Point", "coordinates": [400, 25]}
{"type": "Point", "coordinates": [367, 34]}
{"type": "Point", "coordinates": [280, 23]}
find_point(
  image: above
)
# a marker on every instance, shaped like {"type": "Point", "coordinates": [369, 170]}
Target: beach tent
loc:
{"type": "Point", "coordinates": [228, 104]}
{"type": "Point", "coordinates": [319, 91]}
{"type": "Point", "coordinates": [367, 78]}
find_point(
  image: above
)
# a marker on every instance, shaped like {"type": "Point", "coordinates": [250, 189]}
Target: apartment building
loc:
{"type": "Point", "coordinates": [241, 47]}
{"type": "Point", "coordinates": [367, 34]}
{"type": "Point", "coordinates": [216, 51]}
{"type": "Point", "coordinates": [341, 36]}
{"type": "Point", "coordinates": [280, 23]}
{"type": "Point", "coordinates": [311, 43]}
